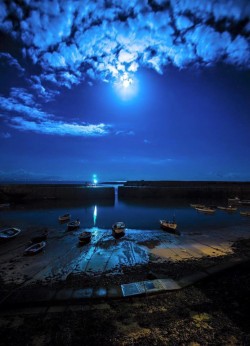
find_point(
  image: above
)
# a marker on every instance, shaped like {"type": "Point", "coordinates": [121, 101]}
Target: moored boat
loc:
{"type": "Point", "coordinates": [197, 205]}
{"type": "Point", "coordinates": [73, 225]}
{"type": "Point", "coordinates": [206, 210]}
{"type": "Point", "coordinates": [228, 209]}
{"type": "Point", "coordinates": [34, 249]}
{"type": "Point", "coordinates": [84, 237]}
{"type": "Point", "coordinates": [4, 205]}
{"type": "Point", "coordinates": [233, 201]}
{"type": "Point", "coordinates": [9, 233]}
{"type": "Point", "coordinates": [245, 213]}
{"type": "Point", "coordinates": [64, 218]}
{"type": "Point", "coordinates": [245, 202]}
{"type": "Point", "coordinates": [170, 226]}
{"type": "Point", "coordinates": [118, 227]}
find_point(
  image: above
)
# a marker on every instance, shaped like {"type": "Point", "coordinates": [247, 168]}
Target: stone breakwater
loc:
{"type": "Point", "coordinates": [184, 189]}
{"type": "Point", "coordinates": [9, 192]}
{"type": "Point", "coordinates": [192, 190]}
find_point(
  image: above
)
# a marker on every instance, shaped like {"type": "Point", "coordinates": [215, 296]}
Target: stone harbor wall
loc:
{"type": "Point", "coordinates": [13, 192]}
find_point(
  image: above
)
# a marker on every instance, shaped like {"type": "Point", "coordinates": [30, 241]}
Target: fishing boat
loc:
{"type": "Point", "coordinates": [229, 209]}
{"type": "Point", "coordinates": [170, 226]}
{"type": "Point", "coordinates": [245, 213]}
{"type": "Point", "coordinates": [118, 227]}
{"type": "Point", "coordinates": [64, 218]}
{"type": "Point", "coordinates": [35, 248]}
{"type": "Point", "coordinates": [73, 225]}
{"type": "Point", "coordinates": [206, 210]}
{"type": "Point", "coordinates": [9, 233]}
{"type": "Point", "coordinates": [84, 237]}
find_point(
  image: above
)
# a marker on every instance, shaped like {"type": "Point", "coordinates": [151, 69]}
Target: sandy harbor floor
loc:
{"type": "Point", "coordinates": [138, 251]}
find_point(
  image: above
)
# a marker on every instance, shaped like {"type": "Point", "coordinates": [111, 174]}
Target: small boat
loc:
{"type": "Point", "coordinates": [73, 225]}
{"type": "Point", "coordinates": [39, 238]}
{"type": "Point", "coordinates": [84, 237]}
{"type": "Point", "coordinates": [9, 233]}
{"type": "Point", "coordinates": [245, 213]}
{"type": "Point", "coordinates": [206, 210]}
{"type": "Point", "coordinates": [197, 205]}
{"type": "Point", "coordinates": [118, 227]}
{"type": "Point", "coordinates": [245, 202]}
{"type": "Point", "coordinates": [168, 225]}
{"type": "Point", "coordinates": [35, 248]}
{"type": "Point", "coordinates": [229, 209]}
{"type": "Point", "coordinates": [233, 201]}
{"type": "Point", "coordinates": [65, 217]}
{"type": "Point", "coordinates": [4, 205]}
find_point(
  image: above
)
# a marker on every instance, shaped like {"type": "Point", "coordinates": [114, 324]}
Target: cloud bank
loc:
{"type": "Point", "coordinates": [76, 40]}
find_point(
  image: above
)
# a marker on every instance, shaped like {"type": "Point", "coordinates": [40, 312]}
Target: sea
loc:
{"type": "Point", "coordinates": [136, 214]}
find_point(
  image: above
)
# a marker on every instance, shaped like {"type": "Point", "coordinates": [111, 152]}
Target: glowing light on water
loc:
{"type": "Point", "coordinates": [95, 215]}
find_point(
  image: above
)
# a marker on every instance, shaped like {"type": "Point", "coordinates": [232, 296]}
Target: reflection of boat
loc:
{"type": "Point", "coordinates": [245, 213]}
{"type": "Point", "coordinates": [73, 225]}
{"type": "Point", "coordinates": [197, 205]}
{"type": "Point", "coordinates": [168, 225]}
{"type": "Point", "coordinates": [39, 238]}
{"type": "Point", "coordinates": [228, 209]}
{"type": "Point", "coordinates": [84, 237]}
{"type": "Point", "coordinates": [65, 217]}
{"type": "Point", "coordinates": [9, 233]}
{"type": "Point", "coordinates": [35, 248]}
{"type": "Point", "coordinates": [118, 227]}
{"type": "Point", "coordinates": [206, 210]}
{"type": "Point", "coordinates": [234, 200]}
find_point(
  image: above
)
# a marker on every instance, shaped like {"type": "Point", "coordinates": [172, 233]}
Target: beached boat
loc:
{"type": "Point", "coordinates": [229, 209]}
{"type": "Point", "coordinates": [73, 225]}
{"type": "Point", "coordinates": [9, 233]}
{"type": "Point", "coordinates": [245, 213]}
{"type": "Point", "coordinates": [168, 225]}
{"type": "Point", "coordinates": [39, 238]}
{"type": "Point", "coordinates": [84, 237]}
{"type": "Point", "coordinates": [35, 248]}
{"type": "Point", "coordinates": [64, 218]}
{"type": "Point", "coordinates": [118, 227]}
{"type": "Point", "coordinates": [206, 210]}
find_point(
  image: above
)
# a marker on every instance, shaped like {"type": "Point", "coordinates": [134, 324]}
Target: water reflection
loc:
{"type": "Point", "coordinates": [95, 215]}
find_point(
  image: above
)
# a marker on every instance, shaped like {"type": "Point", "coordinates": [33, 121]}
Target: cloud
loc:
{"type": "Point", "coordinates": [20, 111]}
{"type": "Point", "coordinates": [74, 40]}
{"type": "Point", "coordinates": [60, 128]}
{"type": "Point", "coordinates": [5, 135]}
{"type": "Point", "coordinates": [7, 58]}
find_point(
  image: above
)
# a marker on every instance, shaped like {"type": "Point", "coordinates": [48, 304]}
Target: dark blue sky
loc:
{"type": "Point", "coordinates": [150, 90]}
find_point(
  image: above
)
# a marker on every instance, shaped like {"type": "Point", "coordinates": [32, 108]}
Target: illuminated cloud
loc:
{"type": "Point", "coordinates": [12, 62]}
{"type": "Point", "coordinates": [20, 111]}
{"type": "Point", "coordinates": [74, 40]}
{"type": "Point", "coordinates": [5, 135]}
{"type": "Point", "coordinates": [60, 128]}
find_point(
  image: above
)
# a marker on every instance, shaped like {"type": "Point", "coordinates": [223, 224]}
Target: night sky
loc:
{"type": "Point", "coordinates": [128, 90]}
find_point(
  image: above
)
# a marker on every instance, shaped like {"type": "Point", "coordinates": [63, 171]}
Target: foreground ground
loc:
{"type": "Point", "coordinates": [212, 312]}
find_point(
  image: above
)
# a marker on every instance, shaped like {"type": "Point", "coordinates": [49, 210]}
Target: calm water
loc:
{"type": "Point", "coordinates": [136, 214]}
